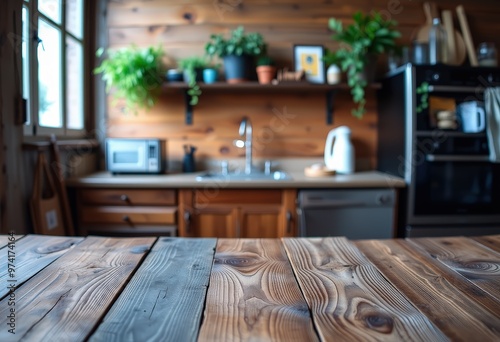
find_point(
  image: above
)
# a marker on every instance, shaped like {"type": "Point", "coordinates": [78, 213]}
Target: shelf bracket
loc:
{"type": "Point", "coordinates": [189, 108]}
{"type": "Point", "coordinates": [330, 95]}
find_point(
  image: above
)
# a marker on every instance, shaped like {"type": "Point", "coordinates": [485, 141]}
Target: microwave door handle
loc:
{"type": "Point", "coordinates": [455, 89]}
{"type": "Point", "coordinates": [455, 158]}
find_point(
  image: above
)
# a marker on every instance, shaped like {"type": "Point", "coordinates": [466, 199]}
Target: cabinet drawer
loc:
{"type": "Point", "coordinates": [131, 197]}
{"type": "Point", "coordinates": [237, 196]}
{"type": "Point", "coordinates": [129, 215]}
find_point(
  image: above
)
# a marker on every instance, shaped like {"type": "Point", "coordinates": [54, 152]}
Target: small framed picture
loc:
{"type": "Point", "coordinates": [310, 59]}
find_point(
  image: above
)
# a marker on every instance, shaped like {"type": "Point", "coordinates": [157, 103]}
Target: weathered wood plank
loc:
{"type": "Point", "coordinates": [4, 239]}
{"type": "Point", "coordinates": [165, 298]}
{"type": "Point", "coordinates": [349, 298]}
{"type": "Point", "coordinates": [253, 295]}
{"type": "Point", "coordinates": [159, 12]}
{"type": "Point", "coordinates": [283, 125]}
{"type": "Point", "coordinates": [457, 315]}
{"type": "Point", "coordinates": [478, 264]}
{"type": "Point", "coordinates": [65, 300]}
{"type": "Point", "coordinates": [30, 255]}
{"type": "Point", "coordinates": [491, 241]}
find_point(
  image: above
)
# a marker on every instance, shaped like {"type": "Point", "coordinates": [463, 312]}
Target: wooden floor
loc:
{"type": "Point", "coordinates": [294, 289]}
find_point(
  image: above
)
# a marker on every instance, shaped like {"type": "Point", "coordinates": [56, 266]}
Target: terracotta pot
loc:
{"type": "Point", "coordinates": [266, 73]}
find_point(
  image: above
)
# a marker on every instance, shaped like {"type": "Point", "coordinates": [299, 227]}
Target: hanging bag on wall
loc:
{"type": "Point", "coordinates": [45, 202]}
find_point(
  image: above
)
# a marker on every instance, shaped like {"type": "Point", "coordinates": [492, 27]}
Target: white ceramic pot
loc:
{"type": "Point", "coordinates": [333, 74]}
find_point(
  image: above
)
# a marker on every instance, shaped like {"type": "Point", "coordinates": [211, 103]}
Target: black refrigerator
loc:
{"type": "Point", "coordinates": [452, 187]}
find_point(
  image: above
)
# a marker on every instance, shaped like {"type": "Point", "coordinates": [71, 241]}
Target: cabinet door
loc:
{"type": "Point", "coordinates": [260, 221]}
{"type": "Point", "coordinates": [238, 213]}
{"type": "Point", "coordinates": [219, 221]}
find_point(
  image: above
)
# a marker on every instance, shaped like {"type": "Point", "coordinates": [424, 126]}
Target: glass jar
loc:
{"type": "Point", "coordinates": [487, 55]}
{"type": "Point", "coordinates": [438, 46]}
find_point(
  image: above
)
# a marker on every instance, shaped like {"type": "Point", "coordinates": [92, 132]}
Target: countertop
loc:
{"type": "Point", "coordinates": [292, 289]}
{"type": "Point", "coordinates": [367, 179]}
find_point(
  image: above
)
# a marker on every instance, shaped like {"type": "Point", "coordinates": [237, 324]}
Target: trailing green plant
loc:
{"type": "Point", "coordinates": [193, 65]}
{"type": "Point", "coordinates": [239, 43]}
{"type": "Point", "coordinates": [136, 75]}
{"type": "Point", "coordinates": [369, 35]}
{"type": "Point", "coordinates": [422, 93]}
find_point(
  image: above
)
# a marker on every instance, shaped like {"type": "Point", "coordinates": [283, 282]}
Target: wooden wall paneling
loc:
{"type": "Point", "coordinates": [283, 125]}
{"type": "Point", "coordinates": [13, 215]}
{"type": "Point", "coordinates": [245, 12]}
{"type": "Point", "coordinates": [184, 27]}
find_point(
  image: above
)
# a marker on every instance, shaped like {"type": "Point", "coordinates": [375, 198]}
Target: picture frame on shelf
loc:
{"type": "Point", "coordinates": [309, 58]}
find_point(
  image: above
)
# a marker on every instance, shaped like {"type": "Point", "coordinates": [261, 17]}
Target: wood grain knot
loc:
{"type": "Point", "coordinates": [139, 249]}
{"type": "Point", "coordinates": [479, 267]}
{"type": "Point", "coordinates": [189, 17]}
{"type": "Point", "coordinates": [374, 318]}
{"type": "Point", "coordinates": [233, 261]}
{"type": "Point", "coordinates": [55, 247]}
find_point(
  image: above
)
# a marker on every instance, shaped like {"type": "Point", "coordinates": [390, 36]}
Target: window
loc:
{"type": "Point", "coordinates": [53, 66]}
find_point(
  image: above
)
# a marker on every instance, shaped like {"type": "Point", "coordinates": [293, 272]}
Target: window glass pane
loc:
{"type": "Point", "coordinates": [51, 8]}
{"type": "Point", "coordinates": [49, 76]}
{"type": "Point", "coordinates": [74, 16]}
{"type": "Point", "coordinates": [26, 69]}
{"type": "Point", "coordinates": [74, 84]}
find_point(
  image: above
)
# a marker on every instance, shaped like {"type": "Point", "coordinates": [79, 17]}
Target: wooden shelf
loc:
{"type": "Point", "coordinates": [327, 89]}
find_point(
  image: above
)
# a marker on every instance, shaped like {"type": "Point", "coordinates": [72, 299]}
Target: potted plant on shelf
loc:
{"type": "Point", "coordinates": [266, 71]}
{"type": "Point", "coordinates": [136, 75]}
{"type": "Point", "coordinates": [237, 52]}
{"type": "Point", "coordinates": [192, 68]}
{"type": "Point", "coordinates": [210, 73]}
{"type": "Point", "coordinates": [361, 43]}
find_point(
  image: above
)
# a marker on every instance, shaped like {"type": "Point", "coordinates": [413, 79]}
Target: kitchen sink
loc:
{"type": "Point", "coordinates": [260, 176]}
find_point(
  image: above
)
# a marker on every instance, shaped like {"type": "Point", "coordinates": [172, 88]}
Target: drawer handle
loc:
{"type": "Point", "coordinates": [288, 222]}
{"type": "Point", "coordinates": [124, 198]}
{"type": "Point", "coordinates": [126, 218]}
{"type": "Point", "coordinates": [187, 220]}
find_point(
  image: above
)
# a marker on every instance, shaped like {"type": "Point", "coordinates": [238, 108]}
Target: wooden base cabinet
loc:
{"type": "Point", "coordinates": [123, 212]}
{"type": "Point", "coordinates": [237, 213]}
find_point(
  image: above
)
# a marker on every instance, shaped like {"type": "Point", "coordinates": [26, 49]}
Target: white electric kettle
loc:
{"type": "Point", "coordinates": [339, 152]}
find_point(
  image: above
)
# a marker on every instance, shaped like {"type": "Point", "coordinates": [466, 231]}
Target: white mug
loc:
{"type": "Point", "coordinates": [472, 117]}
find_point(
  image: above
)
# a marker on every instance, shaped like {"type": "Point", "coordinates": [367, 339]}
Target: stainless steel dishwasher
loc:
{"type": "Point", "coordinates": [353, 213]}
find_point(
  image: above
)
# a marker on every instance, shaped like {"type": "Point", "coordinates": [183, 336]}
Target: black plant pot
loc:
{"type": "Point", "coordinates": [370, 70]}
{"type": "Point", "coordinates": [199, 75]}
{"type": "Point", "coordinates": [239, 68]}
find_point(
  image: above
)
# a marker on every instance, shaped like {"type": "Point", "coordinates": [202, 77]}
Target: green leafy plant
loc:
{"type": "Point", "coordinates": [423, 93]}
{"type": "Point", "coordinates": [239, 43]}
{"type": "Point", "coordinates": [136, 74]}
{"type": "Point", "coordinates": [193, 65]}
{"type": "Point", "coordinates": [265, 60]}
{"type": "Point", "coordinates": [368, 36]}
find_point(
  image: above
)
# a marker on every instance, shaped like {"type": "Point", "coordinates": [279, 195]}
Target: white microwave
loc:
{"type": "Point", "coordinates": [134, 155]}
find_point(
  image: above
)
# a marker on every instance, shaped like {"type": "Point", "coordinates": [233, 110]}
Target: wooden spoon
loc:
{"type": "Point", "coordinates": [456, 45]}
{"type": "Point", "coordinates": [467, 36]}
{"type": "Point", "coordinates": [423, 32]}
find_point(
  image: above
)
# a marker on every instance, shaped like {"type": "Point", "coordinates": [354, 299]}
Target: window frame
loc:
{"type": "Point", "coordinates": [32, 130]}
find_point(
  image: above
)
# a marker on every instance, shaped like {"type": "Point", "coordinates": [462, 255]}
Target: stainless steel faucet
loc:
{"type": "Point", "coordinates": [246, 130]}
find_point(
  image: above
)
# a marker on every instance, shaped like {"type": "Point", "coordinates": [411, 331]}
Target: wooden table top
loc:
{"type": "Point", "coordinates": [293, 289]}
